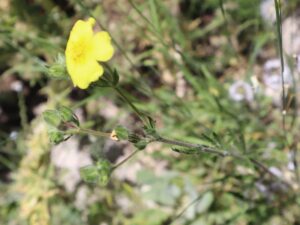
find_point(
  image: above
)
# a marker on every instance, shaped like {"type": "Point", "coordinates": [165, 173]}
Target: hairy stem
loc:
{"type": "Point", "coordinates": [202, 148]}
{"type": "Point", "coordinates": [224, 153]}
{"type": "Point", "coordinates": [198, 147]}
{"type": "Point", "coordinates": [95, 133]}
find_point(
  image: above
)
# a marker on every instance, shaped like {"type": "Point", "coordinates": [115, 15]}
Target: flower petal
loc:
{"type": "Point", "coordinates": [102, 47]}
{"type": "Point", "coordinates": [85, 73]}
{"type": "Point", "coordinates": [80, 38]}
{"type": "Point", "coordinates": [81, 29]}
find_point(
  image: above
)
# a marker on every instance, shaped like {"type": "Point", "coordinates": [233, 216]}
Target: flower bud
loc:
{"type": "Point", "coordinates": [56, 137]}
{"type": "Point", "coordinates": [121, 133]}
{"type": "Point", "coordinates": [58, 69]}
{"type": "Point", "coordinates": [59, 121]}
{"type": "Point", "coordinates": [52, 118]}
{"type": "Point", "coordinates": [141, 144]}
{"type": "Point", "coordinates": [67, 115]}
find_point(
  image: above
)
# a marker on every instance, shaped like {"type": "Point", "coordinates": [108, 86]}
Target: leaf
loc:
{"type": "Point", "coordinates": [67, 115]}
{"type": "Point", "coordinates": [104, 171]}
{"type": "Point", "coordinates": [89, 174]}
{"type": "Point", "coordinates": [52, 118]}
{"type": "Point", "coordinates": [99, 173]}
{"type": "Point", "coordinates": [205, 202]}
{"type": "Point", "coordinates": [56, 137]}
{"type": "Point", "coordinates": [149, 217]}
{"type": "Point", "coordinates": [58, 70]}
{"type": "Point", "coordinates": [104, 81]}
{"type": "Point", "coordinates": [115, 77]}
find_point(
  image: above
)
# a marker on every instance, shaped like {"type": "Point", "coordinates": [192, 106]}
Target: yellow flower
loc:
{"type": "Point", "coordinates": [84, 49]}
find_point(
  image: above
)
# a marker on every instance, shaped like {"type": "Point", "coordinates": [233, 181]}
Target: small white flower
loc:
{"type": "Point", "coordinates": [240, 91]}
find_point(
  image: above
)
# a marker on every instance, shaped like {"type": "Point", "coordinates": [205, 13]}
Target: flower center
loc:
{"type": "Point", "coordinates": [80, 51]}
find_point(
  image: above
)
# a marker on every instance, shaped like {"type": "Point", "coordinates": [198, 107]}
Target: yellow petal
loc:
{"type": "Point", "coordinates": [79, 41]}
{"type": "Point", "coordinates": [81, 30]}
{"type": "Point", "coordinates": [92, 21]}
{"type": "Point", "coordinates": [82, 74]}
{"type": "Point", "coordinates": [102, 47]}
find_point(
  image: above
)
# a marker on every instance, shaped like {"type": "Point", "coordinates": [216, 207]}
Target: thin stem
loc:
{"type": "Point", "coordinates": [126, 99]}
{"type": "Point", "coordinates": [126, 159]}
{"type": "Point", "coordinates": [206, 149]}
{"type": "Point", "coordinates": [279, 36]}
{"type": "Point", "coordinates": [185, 209]}
{"type": "Point", "coordinates": [202, 148]}
{"type": "Point", "coordinates": [227, 33]}
{"type": "Point", "coordinates": [199, 147]}
{"type": "Point", "coordinates": [81, 130]}
{"type": "Point", "coordinates": [266, 170]}
{"type": "Point", "coordinates": [155, 31]}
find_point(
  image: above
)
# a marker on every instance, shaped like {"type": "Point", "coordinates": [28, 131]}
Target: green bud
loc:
{"type": "Point", "coordinates": [56, 137]}
{"type": "Point", "coordinates": [133, 138]}
{"type": "Point", "coordinates": [150, 128]}
{"type": "Point", "coordinates": [121, 133]}
{"type": "Point", "coordinates": [67, 115]}
{"type": "Point", "coordinates": [89, 174]}
{"type": "Point", "coordinates": [104, 81]}
{"type": "Point", "coordinates": [58, 69]}
{"type": "Point", "coordinates": [52, 118]}
{"type": "Point", "coordinates": [151, 122]}
{"type": "Point", "coordinates": [141, 144]}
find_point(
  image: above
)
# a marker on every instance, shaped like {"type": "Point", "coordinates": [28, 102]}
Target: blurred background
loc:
{"type": "Point", "coordinates": [207, 71]}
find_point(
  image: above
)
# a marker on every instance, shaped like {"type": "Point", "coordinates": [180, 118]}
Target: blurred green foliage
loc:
{"type": "Point", "coordinates": [176, 60]}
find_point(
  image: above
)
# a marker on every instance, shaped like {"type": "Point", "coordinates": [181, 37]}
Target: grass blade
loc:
{"type": "Point", "coordinates": [279, 37]}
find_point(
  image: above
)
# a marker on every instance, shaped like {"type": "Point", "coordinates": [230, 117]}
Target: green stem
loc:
{"type": "Point", "coordinates": [207, 149]}
{"type": "Point", "coordinates": [134, 108]}
{"type": "Point", "coordinates": [81, 130]}
{"type": "Point", "coordinates": [125, 160]}
{"type": "Point", "coordinates": [123, 96]}
{"type": "Point", "coordinates": [202, 148]}
{"type": "Point", "coordinates": [279, 37]}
